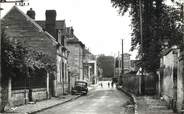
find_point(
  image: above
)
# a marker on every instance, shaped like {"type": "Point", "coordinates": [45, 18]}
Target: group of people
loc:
{"type": "Point", "coordinates": [112, 84]}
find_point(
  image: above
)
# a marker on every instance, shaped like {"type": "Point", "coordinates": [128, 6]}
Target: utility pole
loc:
{"type": "Point", "coordinates": [141, 46]}
{"type": "Point", "coordinates": [20, 3]}
{"type": "Point", "coordinates": [122, 64]}
{"type": "Point", "coordinates": [114, 66]}
{"type": "Point", "coordinates": [122, 61]}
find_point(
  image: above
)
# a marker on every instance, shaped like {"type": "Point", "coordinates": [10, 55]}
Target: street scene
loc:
{"type": "Point", "coordinates": [92, 57]}
{"type": "Point", "coordinates": [101, 100]}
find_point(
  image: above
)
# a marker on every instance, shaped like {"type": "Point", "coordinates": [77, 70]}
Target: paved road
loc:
{"type": "Point", "coordinates": [104, 100]}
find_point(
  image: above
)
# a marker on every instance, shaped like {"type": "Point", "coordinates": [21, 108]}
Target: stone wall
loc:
{"type": "Point", "coordinates": [180, 94]}
{"type": "Point", "coordinates": [39, 94]}
{"type": "Point", "coordinates": [19, 97]}
{"type": "Point", "coordinates": [75, 60]}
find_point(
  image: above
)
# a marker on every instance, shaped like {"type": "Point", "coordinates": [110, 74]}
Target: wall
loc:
{"type": "Point", "coordinates": [75, 60]}
{"type": "Point", "coordinates": [39, 94]}
{"type": "Point", "coordinates": [19, 97]}
{"type": "Point", "coordinates": [167, 87]}
{"type": "Point", "coordinates": [180, 79]}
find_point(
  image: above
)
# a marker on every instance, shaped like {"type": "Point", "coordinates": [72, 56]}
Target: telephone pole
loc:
{"type": "Point", "coordinates": [141, 46]}
{"type": "Point", "coordinates": [16, 2]}
{"type": "Point", "coordinates": [122, 61]}
{"type": "Point", "coordinates": [122, 65]}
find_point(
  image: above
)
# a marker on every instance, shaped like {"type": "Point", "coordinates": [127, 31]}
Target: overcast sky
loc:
{"type": "Point", "coordinates": [96, 23]}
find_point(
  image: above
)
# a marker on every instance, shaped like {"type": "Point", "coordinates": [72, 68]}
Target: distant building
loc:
{"type": "Point", "coordinates": [90, 67]}
{"type": "Point", "coordinates": [118, 64]}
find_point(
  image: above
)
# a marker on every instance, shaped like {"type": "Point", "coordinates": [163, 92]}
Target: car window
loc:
{"type": "Point", "coordinates": [80, 84]}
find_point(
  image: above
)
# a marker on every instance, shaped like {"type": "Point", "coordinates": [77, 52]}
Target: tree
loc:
{"type": "Point", "coordinates": [18, 58]}
{"type": "Point", "coordinates": [107, 65]}
{"type": "Point", "coordinates": [159, 22]}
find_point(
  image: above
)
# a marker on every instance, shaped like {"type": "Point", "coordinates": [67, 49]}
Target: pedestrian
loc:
{"type": "Point", "coordinates": [108, 84]}
{"type": "Point", "coordinates": [101, 85]}
{"type": "Point", "coordinates": [112, 84]}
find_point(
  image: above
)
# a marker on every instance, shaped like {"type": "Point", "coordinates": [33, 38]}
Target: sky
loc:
{"type": "Point", "coordinates": [96, 23]}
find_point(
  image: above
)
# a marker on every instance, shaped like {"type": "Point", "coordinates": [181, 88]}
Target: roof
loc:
{"type": "Point", "coordinates": [74, 40]}
{"type": "Point", "coordinates": [86, 51]}
{"type": "Point", "coordinates": [60, 24]}
{"type": "Point", "coordinates": [20, 26]}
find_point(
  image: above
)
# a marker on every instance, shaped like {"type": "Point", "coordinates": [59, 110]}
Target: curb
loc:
{"type": "Point", "coordinates": [132, 98]}
{"type": "Point", "coordinates": [33, 112]}
{"type": "Point", "coordinates": [39, 110]}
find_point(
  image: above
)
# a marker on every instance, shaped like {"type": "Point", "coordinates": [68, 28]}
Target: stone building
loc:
{"type": "Point", "coordinates": [41, 84]}
{"type": "Point", "coordinates": [57, 28]}
{"type": "Point", "coordinates": [127, 63]}
{"type": "Point", "coordinates": [75, 59]}
{"type": "Point", "coordinates": [118, 64]}
{"type": "Point", "coordinates": [89, 67]}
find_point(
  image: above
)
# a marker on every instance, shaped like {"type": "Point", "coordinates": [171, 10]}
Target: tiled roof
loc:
{"type": "Point", "coordinates": [20, 26]}
{"type": "Point", "coordinates": [60, 24]}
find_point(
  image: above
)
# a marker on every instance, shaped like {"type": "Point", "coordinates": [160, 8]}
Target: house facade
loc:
{"type": "Point", "coordinates": [57, 28]}
{"type": "Point", "coordinates": [170, 86]}
{"type": "Point", "coordinates": [75, 59]}
{"type": "Point", "coordinates": [39, 85]}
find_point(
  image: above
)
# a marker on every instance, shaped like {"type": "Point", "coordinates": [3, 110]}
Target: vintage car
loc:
{"type": "Point", "coordinates": [81, 87]}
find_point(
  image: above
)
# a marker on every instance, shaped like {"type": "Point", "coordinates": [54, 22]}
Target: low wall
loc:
{"type": "Point", "coordinates": [19, 97]}
{"type": "Point", "coordinates": [39, 94]}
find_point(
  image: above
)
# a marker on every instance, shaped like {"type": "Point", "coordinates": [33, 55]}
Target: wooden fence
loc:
{"type": "Point", "coordinates": [139, 84]}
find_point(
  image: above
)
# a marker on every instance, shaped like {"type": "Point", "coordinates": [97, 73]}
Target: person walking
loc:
{"type": "Point", "coordinates": [108, 84]}
{"type": "Point", "coordinates": [101, 85]}
{"type": "Point", "coordinates": [112, 84]}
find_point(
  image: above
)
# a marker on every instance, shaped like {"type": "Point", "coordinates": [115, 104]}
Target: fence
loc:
{"type": "Point", "coordinates": [132, 83]}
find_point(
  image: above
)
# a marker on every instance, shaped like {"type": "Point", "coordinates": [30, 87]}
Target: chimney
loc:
{"type": "Point", "coordinates": [50, 23]}
{"type": "Point", "coordinates": [31, 13]}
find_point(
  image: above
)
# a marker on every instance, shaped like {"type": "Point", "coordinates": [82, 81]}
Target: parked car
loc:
{"type": "Point", "coordinates": [81, 88]}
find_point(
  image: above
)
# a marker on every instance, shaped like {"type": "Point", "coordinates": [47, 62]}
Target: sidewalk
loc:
{"type": "Point", "coordinates": [148, 104]}
{"type": "Point", "coordinates": [151, 105]}
{"type": "Point", "coordinates": [45, 104]}
{"type": "Point", "coordinates": [42, 105]}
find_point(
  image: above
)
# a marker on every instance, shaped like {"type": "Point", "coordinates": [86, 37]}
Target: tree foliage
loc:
{"type": "Point", "coordinates": [107, 65]}
{"type": "Point", "coordinates": [18, 58]}
{"type": "Point", "coordinates": [160, 22]}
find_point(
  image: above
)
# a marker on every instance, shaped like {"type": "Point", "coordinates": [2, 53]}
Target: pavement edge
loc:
{"type": "Point", "coordinates": [132, 98]}
{"type": "Point", "coordinates": [33, 112]}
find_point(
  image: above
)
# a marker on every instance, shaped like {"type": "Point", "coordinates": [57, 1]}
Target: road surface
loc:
{"type": "Point", "coordinates": [102, 100]}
